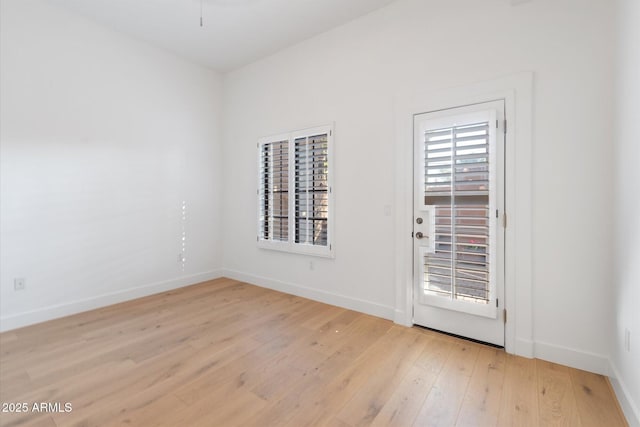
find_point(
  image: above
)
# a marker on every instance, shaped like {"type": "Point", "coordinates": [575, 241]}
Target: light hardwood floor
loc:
{"type": "Point", "coordinates": [225, 353]}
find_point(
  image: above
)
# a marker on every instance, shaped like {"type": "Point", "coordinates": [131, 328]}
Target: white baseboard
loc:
{"type": "Point", "coordinates": [524, 348]}
{"type": "Point", "coordinates": [631, 411]}
{"type": "Point", "coordinates": [367, 307]}
{"type": "Point", "coordinates": [578, 359]}
{"type": "Point", "coordinates": [401, 317]}
{"type": "Point", "coordinates": [595, 363]}
{"type": "Point", "coordinates": [61, 310]}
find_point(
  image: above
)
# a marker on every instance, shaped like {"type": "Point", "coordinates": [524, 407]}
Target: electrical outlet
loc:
{"type": "Point", "coordinates": [627, 339]}
{"type": "Point", "coordinates": [19, 283]}
{"type": "Point", "coordinates": [311, 266]}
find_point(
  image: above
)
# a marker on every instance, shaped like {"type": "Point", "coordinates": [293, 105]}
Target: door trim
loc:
{"type": "Point", "coordinates": [516, 90]}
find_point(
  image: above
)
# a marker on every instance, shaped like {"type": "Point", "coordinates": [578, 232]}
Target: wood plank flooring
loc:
{"type": "Point", "coordinates": [225, 353]}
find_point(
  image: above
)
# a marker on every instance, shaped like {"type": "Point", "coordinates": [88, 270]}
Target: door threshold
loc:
{"type": "Point", "coordinates": [459, 336]}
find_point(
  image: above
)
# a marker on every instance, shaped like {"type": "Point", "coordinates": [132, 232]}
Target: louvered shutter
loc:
{"type": "Point", "coordinates": [296, 164]}
{"type": "Point", "coordinates": [311, 190]}
{"type": "Point", "coordinates": [457, 189]}
{"type": "Point", "coordinates": [273, 194]}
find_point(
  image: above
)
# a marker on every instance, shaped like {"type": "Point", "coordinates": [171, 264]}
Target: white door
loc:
{"type": "Point", "coordinates": [458, 221]}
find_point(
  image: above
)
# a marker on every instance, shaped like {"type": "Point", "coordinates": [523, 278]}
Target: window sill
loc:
{"type": "Point", "coordinates": [296, 248]}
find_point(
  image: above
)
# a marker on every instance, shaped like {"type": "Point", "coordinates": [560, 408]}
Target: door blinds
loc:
{"type": "Point", "coordinates": [457, 187]}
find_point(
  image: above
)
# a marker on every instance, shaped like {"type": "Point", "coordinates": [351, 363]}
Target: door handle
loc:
{"type": "Point", "coordinates": [419, 235]}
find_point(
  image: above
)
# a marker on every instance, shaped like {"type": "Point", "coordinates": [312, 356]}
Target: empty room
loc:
{"type": "Point", "coordinates": [319, 213]}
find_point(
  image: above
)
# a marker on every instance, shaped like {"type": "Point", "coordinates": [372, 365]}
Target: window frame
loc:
{"type": "Point", "coordinates": [290, 245]}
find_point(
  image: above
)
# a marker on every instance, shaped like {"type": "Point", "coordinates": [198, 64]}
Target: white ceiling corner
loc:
{"type": "Point", "coordinates": [234, 32]}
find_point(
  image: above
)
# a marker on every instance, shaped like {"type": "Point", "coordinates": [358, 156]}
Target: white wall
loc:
{"type": "Point", "coordinates": [103, 139]}
{"type": "Point", "coordinates": [351, 75]}
{"type": "Point", "coordinates": [626, 364]}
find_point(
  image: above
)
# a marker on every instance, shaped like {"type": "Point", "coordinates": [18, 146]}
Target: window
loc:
{"type": "Point", "coordinates": [294, 192]}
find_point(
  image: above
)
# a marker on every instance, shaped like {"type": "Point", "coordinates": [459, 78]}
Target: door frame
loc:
{"type": "Point", "coordinates": [516, 91]}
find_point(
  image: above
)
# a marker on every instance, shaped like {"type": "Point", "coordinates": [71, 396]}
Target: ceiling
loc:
{"type": "Point", "coordinates": [233, 32]}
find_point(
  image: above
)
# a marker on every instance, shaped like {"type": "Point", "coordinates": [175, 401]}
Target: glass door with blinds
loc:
{"type": "Point", "coordinates": [458, 227]}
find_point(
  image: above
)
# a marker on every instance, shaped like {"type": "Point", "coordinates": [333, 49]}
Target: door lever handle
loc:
{"type": "Point", "coordinates": [419, 235]}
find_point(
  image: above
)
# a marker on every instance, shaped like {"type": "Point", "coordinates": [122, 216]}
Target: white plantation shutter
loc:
{"type": "Point", "coordinates": [460, 155]}
{"type": "Point", "coordinates": [294, 192]}
{"type": "Point", "coordinates": [311, 190]}
{"type": "Point", "coordinates": [273, 194]}
{"type": "Point", "coordinates": [457, 177]}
